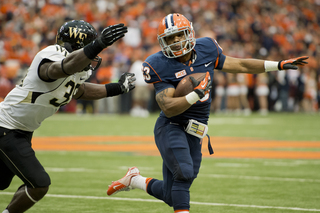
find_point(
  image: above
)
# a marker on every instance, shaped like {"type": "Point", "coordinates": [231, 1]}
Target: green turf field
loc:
{"type": "Point", "coordinates": [224, 185]}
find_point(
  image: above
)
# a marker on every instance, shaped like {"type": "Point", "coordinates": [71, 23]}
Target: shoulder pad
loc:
{"type": "Point", "coordinates": [53, 53]}
{"type": "Point", "coordinates": [152, 68]}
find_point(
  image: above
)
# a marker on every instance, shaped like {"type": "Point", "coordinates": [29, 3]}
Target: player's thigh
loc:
{"type": "Point", "coordinates": [173, 145]}
{"type": "Point", "coordinates": [19, 157]}
{"type": "Point", "coordinates": [195, 145]}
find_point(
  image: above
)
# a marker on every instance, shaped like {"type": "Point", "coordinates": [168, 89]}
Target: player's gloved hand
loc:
{"type": "Point", "coordinates": [292, 63]}
{"type": "Point", "coordinates": [108, 36]}
{"type": "Point", "coordinates": [201, 87]}
{"type": "Point", "coordinates": [127, 82]}
{"type": "Point", "coordinates": [111, 34]}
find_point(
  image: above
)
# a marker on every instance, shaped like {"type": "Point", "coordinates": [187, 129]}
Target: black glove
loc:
{"type": "Point", "coordinates": [201, 87]}
{"type": "Point", "coordinates": [111, 34]}
{"type": "Point", "coordinates": [127, 82]}
{"type": "Point", "coordinates": [291, 63]}
{"type": "Point", "coordinates": [108, 36]}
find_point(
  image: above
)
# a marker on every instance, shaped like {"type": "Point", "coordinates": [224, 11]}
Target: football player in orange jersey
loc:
{"type": "Point", "coordinates": [183, 120]}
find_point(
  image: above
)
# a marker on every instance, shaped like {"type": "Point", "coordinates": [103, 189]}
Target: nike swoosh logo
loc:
{"type": "Point", "coordinates": [82, 79]}
{"type": "Point", "coordinates": [206, 65]}
{"type": "Point", "coordinates": [115, 187]}
{"type": "Point", "coordinates": [203, 85]}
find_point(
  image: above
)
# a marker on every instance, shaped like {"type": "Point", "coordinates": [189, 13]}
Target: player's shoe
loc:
{"type": "Point", "coordinates": [124, 183]}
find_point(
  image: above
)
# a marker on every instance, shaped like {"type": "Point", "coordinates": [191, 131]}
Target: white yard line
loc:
{"type": "Point", "coordinates": [158, 201]}
{"type": "Point", "coordinates": [260, 178]}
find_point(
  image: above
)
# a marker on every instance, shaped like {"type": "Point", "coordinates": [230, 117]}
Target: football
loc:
{"type": "Point", "coordinates": [185, 85]}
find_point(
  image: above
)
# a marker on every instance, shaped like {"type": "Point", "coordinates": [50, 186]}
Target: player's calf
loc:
{"type": "Point", "coordinates": [25, 197]}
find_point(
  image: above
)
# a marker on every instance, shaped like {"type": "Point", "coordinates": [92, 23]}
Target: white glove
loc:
{"type": "Point", "coordinates": [127, 82]}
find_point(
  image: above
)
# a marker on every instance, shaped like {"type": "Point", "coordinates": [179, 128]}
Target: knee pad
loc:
{"type": "Point", "coordinates": [184, 173]}
{"type": "Point", "coordinates": [42, 180]}
{"type": "Point", "coordinates": [36, 194]}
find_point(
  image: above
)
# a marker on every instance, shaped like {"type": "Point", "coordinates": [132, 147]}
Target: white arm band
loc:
{"type": "Point", "coordinates": [270, 66]}
{"type": "Point", "coordinates": [192, 97]}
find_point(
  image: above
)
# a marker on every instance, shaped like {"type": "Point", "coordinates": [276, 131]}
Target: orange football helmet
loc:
{"type": "Point", "coordinates": [172, 24]}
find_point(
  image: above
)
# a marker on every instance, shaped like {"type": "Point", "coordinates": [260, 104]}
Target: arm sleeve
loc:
{"type": "Point", "coordinates": [220, 57]}
{"type": "Point", "coordinates": [158, 87]}
{"type": "Point", "coordinates": [221, 60]}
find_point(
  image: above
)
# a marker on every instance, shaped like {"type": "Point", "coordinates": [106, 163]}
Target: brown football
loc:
{"type": "Point", "coordinates": [185, 85]}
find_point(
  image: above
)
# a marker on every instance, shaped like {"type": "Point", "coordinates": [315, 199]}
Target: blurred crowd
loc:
{"type": "Point", "coordinates": [272, 30]}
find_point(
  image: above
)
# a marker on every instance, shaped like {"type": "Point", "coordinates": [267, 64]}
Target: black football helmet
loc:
{"type": "Point", "coordinates": [76, 34]}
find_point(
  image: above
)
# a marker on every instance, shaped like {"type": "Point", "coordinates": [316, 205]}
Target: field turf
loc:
{"type": "Point", "coordinates": [226, 185]}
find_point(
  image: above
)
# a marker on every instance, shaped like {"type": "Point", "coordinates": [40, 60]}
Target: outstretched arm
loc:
{"type": "Point", "coordinates": [74, 62]}
{"type": "Point", "coordinates": [90, 91]}
{"type": "Point", "coordinates": [255, 66]}
{"type": "Point", "coordinates": [79, 59]}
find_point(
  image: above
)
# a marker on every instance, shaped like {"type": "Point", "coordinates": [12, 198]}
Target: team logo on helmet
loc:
{"type": "Point", "coordinates": [74, 35]}
{"type": "Point", "coordinates": [76, 32]}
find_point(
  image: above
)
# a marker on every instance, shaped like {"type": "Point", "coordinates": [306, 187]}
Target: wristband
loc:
{"type": "Point", "coordinates": [113, 89]}
{"type": "Point", "coordinates": [270, 66]}
{"type": "Point", "coordinates": [93, 49]}
{"type": "Point", "coordinates": [192, 97]}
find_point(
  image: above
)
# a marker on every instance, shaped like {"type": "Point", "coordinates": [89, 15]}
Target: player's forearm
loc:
{"type": "Point", "coordinates": [74, 62]}
{"type": "Point", "coordinates": [255, 66]}
{"type": "Point", "coordinates": [171, 106]}
{"type": "Point", "coordinates": [236, 65]}
{"type": "Point", "coordinates": [252, 66]}
{"type": "Point", "coordinates": [174, 107]}
{"type": "Point", "coordinates": [90, 91]}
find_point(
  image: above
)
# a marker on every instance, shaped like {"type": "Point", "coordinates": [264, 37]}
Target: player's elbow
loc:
{"type": "Point", "coordinates": [168, 114]}
{"type": "Point", "coordinates": [166, 111]}
{"type": "Point", "coordinates": [170, 111]}
{"type": "Point", "coordinates": [169, 106]}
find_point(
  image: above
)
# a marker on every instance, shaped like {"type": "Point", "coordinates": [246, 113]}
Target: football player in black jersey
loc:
{"type": "Point", "coordinates": [56, 75]}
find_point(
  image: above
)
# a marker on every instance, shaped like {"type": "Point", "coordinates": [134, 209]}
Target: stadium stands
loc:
{"type": "Point", "coordinates": [274, 30]}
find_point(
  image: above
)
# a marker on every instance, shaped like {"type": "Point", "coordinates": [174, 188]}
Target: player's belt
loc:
{"type": "Point", "coordinates": [197, 129]}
